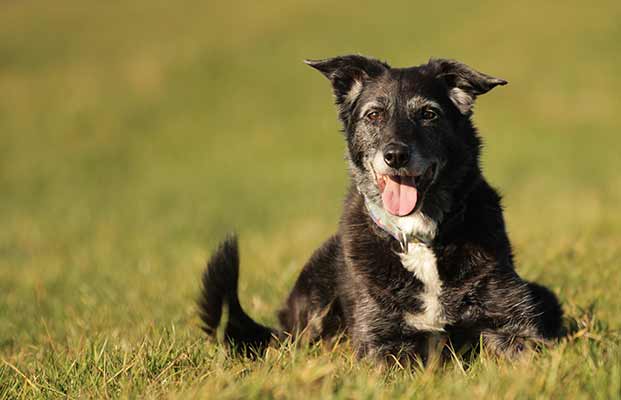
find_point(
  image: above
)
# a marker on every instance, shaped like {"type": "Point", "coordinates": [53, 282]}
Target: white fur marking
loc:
{"type": "Point", "coordinates": [462, 100]}
{"type": "Point", "coordinates": [354, 92]}
{"type": "Point", "coordinates": [421, 261]}
{"type": "Point", "coordinates": [418, 102]}
{"type": "Point", "coordinates": [419, 225]}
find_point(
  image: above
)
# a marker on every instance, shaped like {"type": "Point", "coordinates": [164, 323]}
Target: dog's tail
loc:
{"type": "Point", "coordinates": [219, 289]}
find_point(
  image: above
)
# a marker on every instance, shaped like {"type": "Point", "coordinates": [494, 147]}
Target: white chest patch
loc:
{"type": "Point", "coordinates": [421, 261]}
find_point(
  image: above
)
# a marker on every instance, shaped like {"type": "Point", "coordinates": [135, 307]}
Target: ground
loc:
{"type": "Point", "coordinates": [135, 135]}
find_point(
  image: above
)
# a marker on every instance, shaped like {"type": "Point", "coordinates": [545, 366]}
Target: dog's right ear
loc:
{"type": "Point", "coordinates": [348, 74]}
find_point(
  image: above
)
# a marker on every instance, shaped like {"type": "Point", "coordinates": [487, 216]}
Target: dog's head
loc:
{"type": "Point", "coordinates": [409, 135]}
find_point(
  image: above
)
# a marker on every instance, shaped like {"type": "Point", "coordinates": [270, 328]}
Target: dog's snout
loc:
{"type": "Point", "coordinates": [396, 155]}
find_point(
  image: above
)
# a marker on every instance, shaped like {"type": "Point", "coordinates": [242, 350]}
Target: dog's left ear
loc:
{"type": "Point", "coordinates": [464, 83]}
{"type": "Point", "coordinates": [348, 74]}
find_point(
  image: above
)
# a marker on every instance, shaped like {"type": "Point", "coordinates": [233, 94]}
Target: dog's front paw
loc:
{"type": "Point", "coordinates": [509, 346]}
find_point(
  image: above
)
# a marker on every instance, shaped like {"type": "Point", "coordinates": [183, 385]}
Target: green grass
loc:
{"type": "Point", "coordinates": [134, 136]}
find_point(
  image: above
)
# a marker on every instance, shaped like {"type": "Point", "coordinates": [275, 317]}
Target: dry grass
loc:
{"type": "Point", "coordinates": [134, 136]}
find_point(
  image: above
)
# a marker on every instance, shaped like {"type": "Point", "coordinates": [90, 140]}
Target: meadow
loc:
{"type": "Point", "coordinates": [135, 135]}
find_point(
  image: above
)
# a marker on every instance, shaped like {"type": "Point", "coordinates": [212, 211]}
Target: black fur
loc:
{"type": "Point", "coordinates": [355, 283]}
{"type": "Point", "coordinates": [220, 287]}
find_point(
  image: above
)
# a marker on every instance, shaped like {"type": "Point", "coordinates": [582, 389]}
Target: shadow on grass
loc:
{"type": "Point", "coordinates": [582, 322]}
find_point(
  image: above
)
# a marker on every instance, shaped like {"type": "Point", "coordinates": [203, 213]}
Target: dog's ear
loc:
{"type": "Point", "coordinates": [348, 74]}
{"type": "Point", "coordinates": [464, 83]}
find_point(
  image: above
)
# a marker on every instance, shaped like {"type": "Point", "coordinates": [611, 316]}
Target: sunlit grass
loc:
{"type": "Point", "coordinates": [134, 136]}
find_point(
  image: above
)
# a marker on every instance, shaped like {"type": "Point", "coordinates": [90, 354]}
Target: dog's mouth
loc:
{"type": "Point", "coordinates": [403, 193]}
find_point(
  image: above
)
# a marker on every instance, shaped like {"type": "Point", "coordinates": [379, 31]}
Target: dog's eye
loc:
{"type": "Point", "coordinates": [429, 115]}
{"type": "Point", "coordinates": [374, 116]}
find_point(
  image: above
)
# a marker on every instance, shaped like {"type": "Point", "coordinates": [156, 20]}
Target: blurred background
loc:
{"type": "Point", "coordinates": [134, 135]}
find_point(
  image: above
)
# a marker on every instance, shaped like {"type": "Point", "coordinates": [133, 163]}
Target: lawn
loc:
{"type": "Point", "coordinates": [135, 135]}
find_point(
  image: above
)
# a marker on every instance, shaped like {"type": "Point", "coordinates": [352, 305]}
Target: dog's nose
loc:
{"type": "Point", "coordinates": [396, 155]}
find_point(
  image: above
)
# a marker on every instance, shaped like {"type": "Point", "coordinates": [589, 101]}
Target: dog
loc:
{"type": "Point", "coordinates": [421, 251]}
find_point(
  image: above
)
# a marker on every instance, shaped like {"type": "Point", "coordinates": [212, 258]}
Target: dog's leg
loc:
{"type": "Point", "coordinates": [524, 315]}
{"type": "Point", "coordinates": [406, 349]}
{"type": "Point", "coordinates": [389, 343]}
{"type": "Point", "coordinates": [378, 332]}
{"type": "Point", "coordinates": [313, 309]}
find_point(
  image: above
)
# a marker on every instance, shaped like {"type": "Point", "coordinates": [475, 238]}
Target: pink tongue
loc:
{"type": "Point", "coordinates": [399, 198]}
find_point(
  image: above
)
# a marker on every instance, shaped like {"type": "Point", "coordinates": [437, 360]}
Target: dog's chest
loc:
{"type": "Point", "coordinates": [421, 261]}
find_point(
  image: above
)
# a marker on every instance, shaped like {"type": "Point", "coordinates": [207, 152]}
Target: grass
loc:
{"type": "Point", "coordinates": [135, 135]}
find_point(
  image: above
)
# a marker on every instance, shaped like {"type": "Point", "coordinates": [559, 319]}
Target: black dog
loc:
{"type": "Point", "coordinates": [422, 249]}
